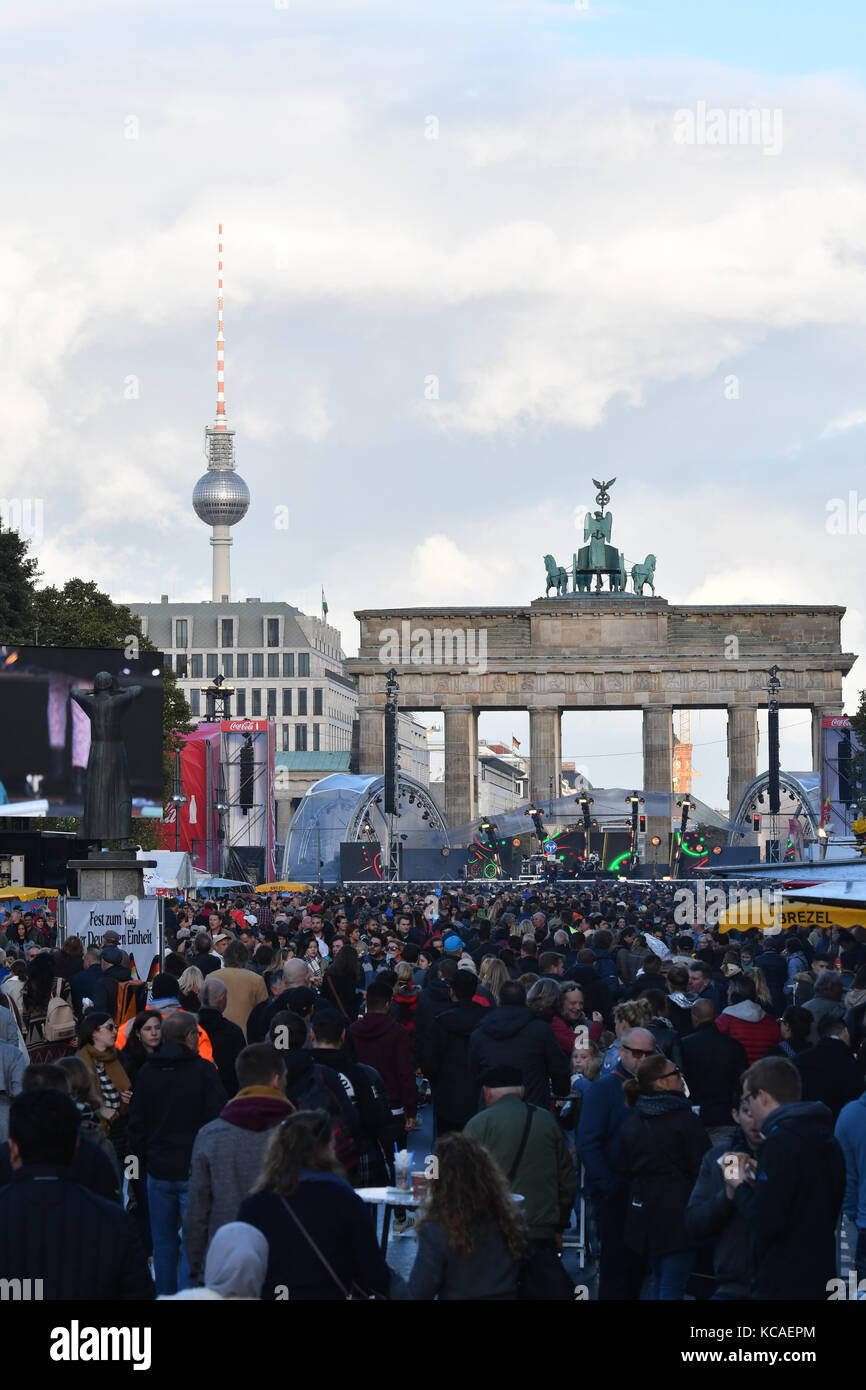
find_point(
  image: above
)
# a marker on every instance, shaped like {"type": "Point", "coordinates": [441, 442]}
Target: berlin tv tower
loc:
{"type": "Point", "coordinates": [220, 498]}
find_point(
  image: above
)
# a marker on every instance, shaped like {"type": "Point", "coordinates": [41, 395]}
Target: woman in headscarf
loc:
{"type": "Point", "coordinates": [235, 1265]}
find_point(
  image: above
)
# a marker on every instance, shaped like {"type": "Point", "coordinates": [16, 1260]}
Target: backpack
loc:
{"type": "Point", "coordinates": [60, 1024]}
{"type": "Point", "coordinates": [317, 1094]}
{"type": "Point", "coordinates": [131, 999]}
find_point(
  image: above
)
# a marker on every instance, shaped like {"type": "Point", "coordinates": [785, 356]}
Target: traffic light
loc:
{"type": "Point", "coordinates": [642, 824]}
{"type": "Point", "coordinates": [756, 823]}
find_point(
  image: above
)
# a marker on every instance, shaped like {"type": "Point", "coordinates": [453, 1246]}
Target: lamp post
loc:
{"type": "Point", "coordinates": [178, 797]}
{"type": "Point", "coordinates": [686, 805]}
{"type": "Point", "coordinates": [773, 687]}
{"type": "Point", "coordinates": [584, 802]}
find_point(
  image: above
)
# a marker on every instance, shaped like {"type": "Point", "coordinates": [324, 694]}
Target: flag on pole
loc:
{"type": "Point", "coordinates": [324, 604]}
{"type": "Point", "coordinates": [515, 744]}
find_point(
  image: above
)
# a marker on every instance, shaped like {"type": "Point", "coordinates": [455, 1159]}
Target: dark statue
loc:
{"type": "Point", "coordinates": [598, 558]}
{"type": "Point", "coordinates": [107, 798]}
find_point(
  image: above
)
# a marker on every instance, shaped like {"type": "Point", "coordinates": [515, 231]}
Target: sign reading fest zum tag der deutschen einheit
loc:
{"type": "Point", "coordinates": [136, 921]}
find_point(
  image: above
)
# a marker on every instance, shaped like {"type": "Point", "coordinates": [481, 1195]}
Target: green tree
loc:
{"type": "Point", "coordinates": [18, 574]}
{"type": "Point", "coordinates": [858, 759]}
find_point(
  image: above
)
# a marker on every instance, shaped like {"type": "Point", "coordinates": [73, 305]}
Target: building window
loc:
{"type": "Point", "coordinates": [242, 702]}
{"type": "Point", "coordinates": [243, 665]}
{"type": "Point", "coordinates": [274, 664]}
{"type": "Point", "coordinates": [195, 667]}
{"type": "Point", "coordinates": [273, 631]}
{"type": "Point", "coordinates": [303, 663]}
{"type": "Point", "coordinates": [195, 701]}
{"type": "Point", "coordinates": [316, 746]}
{"type": "Point", "coordinates": [300, 738]}
{"type": "Point", "coordinates": [286, 738]}
{"type": "Point", "coordinates": [228, 666]}
{"type": "Point", "coordinates": [272, 704]}
{"type": "Point", "coordinates": [211, 665]}
{"type": "Point", "coordinates": [180, 632]}
{"type": "Point", "coordinates": [317, 702]}
{"type": "Point", "coordinates": [302, 702]}
{"type": "Point", "coordinates": [181, 667]}
{"type": "Point", "coordinates": [287, 702]}
{"type": "Point", "coordinates": [288, 665]}
{"type": "Point", "coordinates": [227, 632]}
{"type": "Point", "coordinates": [257, 703]}
{"type": "Point", "coordinates": [258, 664]}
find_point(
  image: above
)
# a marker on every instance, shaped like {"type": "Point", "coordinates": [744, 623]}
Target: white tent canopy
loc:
{"type": "Point", "coordinates": [173, 869]}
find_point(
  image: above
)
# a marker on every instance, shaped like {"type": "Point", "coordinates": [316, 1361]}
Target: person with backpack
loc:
{"type": "Point", "coordinates": [115, 972]}
{"type": "Point", "coordinates": [312, 1086]}
{"type": "Point", "coordinates": [97, 1035]}
{"type": "Point", "coordinates": [367, 1095]}
{"type": "Point", "coordinates": [47, 1013]}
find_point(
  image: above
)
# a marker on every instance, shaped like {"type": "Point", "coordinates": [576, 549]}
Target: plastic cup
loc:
{"type": "Point", "coordinates": [419, 1185]}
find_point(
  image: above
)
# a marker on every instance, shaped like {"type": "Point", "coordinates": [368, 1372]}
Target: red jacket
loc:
{"type": "Point", "coordinates": [748, 1024]}
{"type": "Point", "coordinates": [385, 1045]}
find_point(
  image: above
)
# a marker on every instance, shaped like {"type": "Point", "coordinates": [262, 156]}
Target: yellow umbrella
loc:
{"type": "Point", "coordinates": [27, 895]}
{"type": "Point", "coordinates": [284, 887]}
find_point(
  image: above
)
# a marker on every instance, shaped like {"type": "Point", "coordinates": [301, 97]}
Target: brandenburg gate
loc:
{"type": "Point", "coordinates": [595, 650]}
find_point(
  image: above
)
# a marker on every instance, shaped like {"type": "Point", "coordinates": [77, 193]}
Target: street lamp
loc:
{"type": "Point", "coordinates": [178, 797]}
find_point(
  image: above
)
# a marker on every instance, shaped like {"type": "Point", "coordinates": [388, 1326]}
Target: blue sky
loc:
{"type": "Point", "coordinates": [594, 293]}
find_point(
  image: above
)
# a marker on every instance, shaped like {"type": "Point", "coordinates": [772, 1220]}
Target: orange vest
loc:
{"type": "Point", "coordinates": [204, 1043]}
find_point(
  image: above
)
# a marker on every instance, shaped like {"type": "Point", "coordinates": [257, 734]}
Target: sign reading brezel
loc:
{"type": "Point", "coordinates": [136, 921]}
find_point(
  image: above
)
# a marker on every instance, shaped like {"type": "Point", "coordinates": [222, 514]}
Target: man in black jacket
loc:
{"type": "Point", "coordinates": [52, 1230]}
{"type": "Point", "coordinates": [446, 1062]}
{"type": "Point", "coordinates": [329, 1051]}
{"type": "Point", "coordinates": [793, 1203]}
{"type": "Point", "coordinates": [435, 998]}
{"type": "Point", "coordinates": [713, 1218]}
{"type": "Point", "coordinates": [91, 1166]}
{"type": "Point", "coordinates": [775, 969]}
{"type": "Point", "coordinates": [828, 1071]}
{"type": "Point", "coordinates": [226, 1038]}
{"type": "Point", "coordinates": [514, 1036]}
{"type": "Point", "coordinates": [713, 1063]}
{"type": "Point", "coordinates": [175, 1094]}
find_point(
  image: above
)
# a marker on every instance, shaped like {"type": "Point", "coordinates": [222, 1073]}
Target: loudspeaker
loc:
{"type": "Point", "coordinates": [247, 768]}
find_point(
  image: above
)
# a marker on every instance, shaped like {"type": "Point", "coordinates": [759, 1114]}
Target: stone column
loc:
{"type": "Point", "coordinates": [658, 774]}
{"type": "Point", "coordinates": [461, 764]}
{"type": "Point", "coordinates": [742, 752]}
{"type": "Point", "coordinates": [545, 754]}
{"type": "Point", "coordinates": [371, 744]}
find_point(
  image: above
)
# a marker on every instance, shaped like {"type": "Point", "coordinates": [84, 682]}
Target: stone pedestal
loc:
{"type": "Point", "coordinates": [461, 764]}
{"type": "Point", "coordinates": [742, 752]}
{"type": "Point", "coordinates": [545, 755]}
{"type": "Point", "coordinates": [658, 774]}
{"type": "Point", "coordinates": [112, 876]}
{"type": "Point", "coordinates": [371, 743]}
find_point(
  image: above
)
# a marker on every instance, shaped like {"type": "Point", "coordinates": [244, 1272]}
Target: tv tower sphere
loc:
{"type": "Point", "coordinates": [220, 498]}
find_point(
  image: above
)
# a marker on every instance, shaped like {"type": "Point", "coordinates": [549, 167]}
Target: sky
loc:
{"type": "Point", "coordinates": [476, 254]}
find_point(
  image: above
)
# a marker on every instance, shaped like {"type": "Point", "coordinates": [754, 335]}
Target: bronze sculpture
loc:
{"type": "Point", "coordinates": [598, 557]}
{"type": "Point", "coordinates": [107, 797]}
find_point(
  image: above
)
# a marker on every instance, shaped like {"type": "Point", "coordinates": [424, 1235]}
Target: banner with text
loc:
{"type": "Point", "coordinates": [136, 921]}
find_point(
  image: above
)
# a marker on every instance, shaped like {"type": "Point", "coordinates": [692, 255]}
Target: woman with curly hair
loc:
{"type": "Point", "coordinates": [321, 1241]}
{"type": "Point", "coordinates": [471, 1236]}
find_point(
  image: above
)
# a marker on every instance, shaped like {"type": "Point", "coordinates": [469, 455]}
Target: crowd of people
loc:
{"type": "Point", "coordinates": [699, 1098]}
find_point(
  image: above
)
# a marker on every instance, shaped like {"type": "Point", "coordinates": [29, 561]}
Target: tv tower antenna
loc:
{"type": "Point", "coordinates": [220, 498]}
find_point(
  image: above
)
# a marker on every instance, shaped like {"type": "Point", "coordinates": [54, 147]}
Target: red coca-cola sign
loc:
{"type": "Point", "coordinates": [244, 726]}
